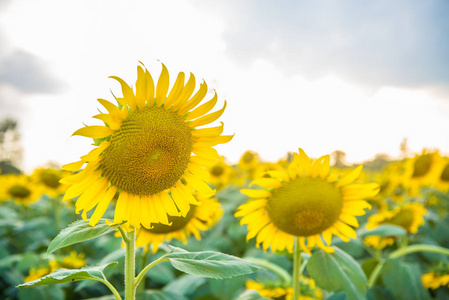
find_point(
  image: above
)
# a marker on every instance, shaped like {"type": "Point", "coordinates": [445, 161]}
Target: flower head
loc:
{"type": "Point", "coordinates": [149, 147]}
{"type": "Point", "coordinates": [305, 201]}
{"type": "Point", "coordinates": [199, 218]}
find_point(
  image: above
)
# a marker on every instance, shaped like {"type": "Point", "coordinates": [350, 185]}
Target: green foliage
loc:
{"type": "Point", "coordinates": [66, 275]}
{"type": "Point", "coordinates": [337, 272]}
{"type": "Point", "coordinates": [403, 280]}
{"type": "Point", "coordinates": [383, 230]}
{"type": "Point", "coordinates": [209, 264]}
{"type": "Point", "coordinates": [78, 232]}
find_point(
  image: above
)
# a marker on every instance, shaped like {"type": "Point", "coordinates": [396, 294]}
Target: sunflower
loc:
{"type": "Point", "coordinates": [221, 174]}
{"type": "Point", "coordinates": [249, 160]}
{"type": "Point", "coordinates": [305, 201]}
{"type": "Point", "coordinates": [49, 178]}
{"type": "Point", "coordinates": [20, 188]}
{"type": "Point", "coordinates": [442, 175]}
{"type": "Point", "coordinates": [409, 216]}
{"type": "Point", "coordinates": [149, 146]}
{"type": "Point", "coordinates": [199, 218]}
{"type": "Point", "coordinates": [34, 274]}
{"type": "Point", "coordinates": [308, 290]}
{"type": "Point", "coordinates": [379, 242]}
{"type": "Point", "coordinates": [420, 171]}
{"type": "Point", "coordinates": [436, 278]}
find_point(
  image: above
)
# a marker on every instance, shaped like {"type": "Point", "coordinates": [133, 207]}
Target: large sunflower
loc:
{"type": "Point", "coordinates": [149, 146]}
{"type": "Point", "coordinates": [305, 201]}
{"type": "Point", "coordinates": [199, 218]}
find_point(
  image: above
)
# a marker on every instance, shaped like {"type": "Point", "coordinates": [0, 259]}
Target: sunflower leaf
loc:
{"type": "Point", "coordinates": [66, 275]}
{"type": "Point", "coordinates": [77, 232]}
{"type": "Point", "coordinates": [403, 280]}
{"type": "Point", "coordinates": [209, 263]}
{"type": "Point", "coordinates": [383, 230]}
{"type": "Point", "coordinates": [338, 272]}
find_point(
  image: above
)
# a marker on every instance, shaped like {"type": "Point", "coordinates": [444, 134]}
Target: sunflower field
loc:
{"type": "Point", "coordinates": [153, 211]}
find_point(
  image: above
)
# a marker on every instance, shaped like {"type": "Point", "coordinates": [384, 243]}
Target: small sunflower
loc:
{"type": "Point", "coordinates": [379, 242]}
{"type": "Point", "coordinates": [305, 201]}
{"type": "Point", "coordinates": [249, 160]}
{"type": "Point", "coordinates": [435, 279]}
{"type": "Point", "coordinates": [409, 216]}
{"type": "Point", "coordinates": [149, 146]}
{"type": "Point", "coordinates": [221, 174]}
{"type": "Point", "coordinates": [73, 261]}
{"type": "Point", "coordinates": [34, 274]}
{"type": "Point", "coordinates": [20, 188]}
{"type": "Point", "coordinates": [308, 290]}
{"type": "Point", "coordinates": [199, 218]}
{"type": "Point", "coordinates": [442, 175]}
{"type": "Point", "coordinates": [49, 178]}
{"type": "Point", "coordinates": [419, 171]}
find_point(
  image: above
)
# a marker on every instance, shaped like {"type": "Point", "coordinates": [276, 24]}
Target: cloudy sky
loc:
{"type": "Point", "coordinates": [321, 75]}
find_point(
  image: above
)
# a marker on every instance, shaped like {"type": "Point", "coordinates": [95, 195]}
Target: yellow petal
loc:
{"type": "Point", "coordinates": [175, 91]}
{"type": "Point", "coordinates": [304, 163]}
{"type": "Point", "coordinates": [195, 100]}
{"type": "Point", "coordinates": [168, 204]}
{"type": "Point", "coordinates": [141, 88]}
{"type": "Point", "coordinates": [202, 109]}
{"type": "Point", "coordinates": [186, 93]}
{"type": "Point", "coordinates": [162, 86]}
{"type": "Point", "coordinates": [267, 183]}
{"type": "Point", "coordinates": [120, 209]}
{"type": "Point", "coordinates": [208, 132]}
{"type": "Point", "coordinates": [255, 193]}
{"type": "Point", "coordinates": [349, 219]}
{"type": "Point", "coordinates": [75, 166]}
{"type": "Point", "coordinates": [95, 153]}
{"type": "Point", "coordinates": [197, 184]}
{"type": "Point", "coordinates": [325, 167]}
{"type": "Point", "coordinates": [207, 118]}
{"type": "Point", "coordinates": [111, 108]}
{"type": "Point", "coordinates": [95, 132]}
{"type": "Point", "coordinates": [345, 229]}
{"type": "Point", "coordinates": [90, 193]}
{"type": "Point", "coordinates": [350, 177]}
{"type": "Point", "coordinates": [102, 206]}
{"type": "Point", "coordinates": [127, 91]}
{"type": "Point", "coordinates": [181, 203]}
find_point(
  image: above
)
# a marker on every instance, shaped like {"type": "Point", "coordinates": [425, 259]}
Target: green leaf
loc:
{"type": "Point", "coordinates": [403, 280]}
{"type": "Point", "coordinates": [158, 295]}
{"type": "Point", "coordinates": [209, 263]}
{"type": "Point", "coordinates": [186, 284]}
{"type": "Point", "coordinates": [250, 295]}
{"type": "Point", "coordinates": [338, 272]}
{"type": "Point", "coordinates": [66, 275]}
{"type": "Point", "coordinates": [77, 232]}
{"type": "Point", "coordinates": [383, 230]}
{"type": "Point", "coordinates": [286, 277]}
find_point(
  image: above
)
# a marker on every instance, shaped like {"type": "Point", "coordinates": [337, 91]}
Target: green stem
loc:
{"type": "Point", "coordinates": [404, 251]}
{"type": "Point", "coordinates": [146, 252]}
{"type": "Point", "coordinates": [130, 265]}
{"type": "Point", "coordinates": [147, 268]}
{"type": "Point", "coordinates": [111, 287]}
{"type": "Point", "coordinates": [296, 270]}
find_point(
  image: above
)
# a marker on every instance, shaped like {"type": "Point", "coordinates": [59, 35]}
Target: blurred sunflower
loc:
{"type": "Point", "coordinates": [199, 218]}
{"type": "Point", "coordinates": [149, 146]}
{"type": "Point", "coordinates": [39, 273]}
{"type": "Point", "coordinates": [20, 188]}
{"type": "Point", "coordinates": [73, 261]}
{"type": "Point", "coordinates": [419, 171]}
{"type": "Point", "coordinates": [305, 201]}
{"type": "Point", "coordinates": [221, 174]}
{"type": "Point", "coordinates": [49, 179]}
{"type": "Point", "coordinates": [409, 216]}
{"type": "Point", "coordinates": [249, 160]}
{"type": "Point", "coordinates": [442, 175]}
{"type": "Point", "coordinates": [435, 279]}
{"type": "Point", "coordinates": [379, 242]}
{"type": "Point", "coordinates": [308, 290]}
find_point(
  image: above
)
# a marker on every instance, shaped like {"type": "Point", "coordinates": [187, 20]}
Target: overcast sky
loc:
{"type": "Point", "coordinates": [321, 75]}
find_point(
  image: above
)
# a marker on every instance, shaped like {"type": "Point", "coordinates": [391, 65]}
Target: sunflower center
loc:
{"type": "Point", "coordinates": [248, 157]}
{"type": "Point", "coordinates": [217, 170]}
{"type": "Point", "coordinates": [305, 206]}
{"type": "Point", "coordinates": [149, 153]}
{"type": "Point", "coordinates": [19, 191]}
{"type": "Point", "coordinates": [422, 165]}
{"type": "Point", "coordinates": [404, 219]}
{"type": "Point", "coordinates": [445, 174]}
{"type": "Point", "coordinates": [177, 223]}
{"type": "Point", "coordinates": [50, 179]}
